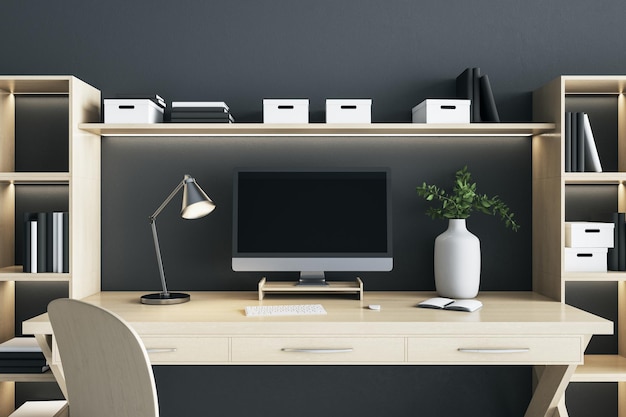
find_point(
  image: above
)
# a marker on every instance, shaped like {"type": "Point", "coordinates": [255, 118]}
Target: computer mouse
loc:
{"type": "Point", "coordinates": [374, 307]}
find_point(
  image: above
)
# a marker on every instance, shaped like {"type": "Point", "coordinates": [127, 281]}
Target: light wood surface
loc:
{"type": "Point", "coordinates": [221, 315]}
{"type": "Point", "coordinates": [291, 287]}
{"type": "Point", "coordinates": [511, 328]}
{"type": "Point", "coordinates": [42, 409]}
{"type": "Point", "coordinates": [378, 129]}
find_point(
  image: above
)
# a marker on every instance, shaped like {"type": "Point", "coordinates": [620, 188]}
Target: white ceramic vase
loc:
{"type": "Point", "coordinates": [457, 261]}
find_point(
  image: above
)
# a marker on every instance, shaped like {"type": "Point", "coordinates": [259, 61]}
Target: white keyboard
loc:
{"type": "Point", "coordinates": [286, 310]}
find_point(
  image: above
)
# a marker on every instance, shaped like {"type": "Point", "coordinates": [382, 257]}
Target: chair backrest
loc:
{"type": "Point", "coordinates": [106, 367]}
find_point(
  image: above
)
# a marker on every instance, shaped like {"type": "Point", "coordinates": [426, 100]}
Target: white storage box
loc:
{"type": "Point", "coordinates": [285, 110]}
{"type": "Point", "coordinates": [132, 111]}
{"type": "Point", "coordinates": [586, 259]}
{"type": "Point", "coordinates": [442, 111]}
{"type": "Point", "coordinates": [348, 111]}
{"type": "Point", "coordinates": [589, 235]}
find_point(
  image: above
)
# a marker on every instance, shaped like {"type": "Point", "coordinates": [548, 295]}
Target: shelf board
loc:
{"type": "Point", "coordinates": [14, 273]}
{"type": "Point", "coordinates": [36, 84]}
{"type": "Point", "coordinates": [317, 129]}
{"type": "Point", "coordinates": [43, 377]}
{"type": "Point", "coordinates": [35, 177]}
{"type": "Point", "coordinates": [573, 178]}
{"type": "Point", "coordinates": [594, 276]}
{"type": "Point", "coordinates": [601, 368]}
{"type": "Point", "coordinates": [590, 84]}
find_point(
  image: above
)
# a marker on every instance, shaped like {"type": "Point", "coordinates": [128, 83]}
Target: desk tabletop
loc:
{"type": "Point", "coordinates": [219, 313]}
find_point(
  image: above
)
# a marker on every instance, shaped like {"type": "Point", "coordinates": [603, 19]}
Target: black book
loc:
{"type": "Point", "coordinates": [574, 147]}
{"type": "Point", "coordinates": [42, 242]}
{"type": "Point", "coordinates": [23, 369]}
{"type": "Point", "coordinates": [580, 142]}
{"type": "Point", "coordinates": [31, 363]}
{"type": "Point", "coordinates": [201, 121]}
{"type": "Point", "coordinates": [468, 87]}
{"type": "Point", "coordinates": [209, 109]}
{"type": "Point", "coordinates": [66, 242]}
{"type": "Point", "coordinates": [476, 109]}
{"type": "Point", "coordinates": [568, 141]}
{"type": "Point", "coordinates": [49, 241]}
{"type": "Point", "coordinates": [30, 243]}
{"type": "Point", "coordinates": [488, 109]}
{"type": "Point", "coordinates": [31, 356]}
{"type": "Point", "coordinates": [464, 84]}
{"type": "Point", "coordinates": [613, 256]}
{"type": "Point", "coordinates": [621, 245]}
{"type": "Point", "coordinates": [26, 251]}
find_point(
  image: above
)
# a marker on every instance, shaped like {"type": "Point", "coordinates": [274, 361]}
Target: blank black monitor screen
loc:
{"type": "Point", "coordinates": [312, 215]}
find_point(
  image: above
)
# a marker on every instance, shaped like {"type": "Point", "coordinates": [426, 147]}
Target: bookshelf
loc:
{"type": "Point", "coordinates": [81, 176]}
{"type": "Point", "coordinates": [550, 189]}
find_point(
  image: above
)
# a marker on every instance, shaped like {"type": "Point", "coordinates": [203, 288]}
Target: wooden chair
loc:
{"type": "Point", "coordinates": [106, 366]}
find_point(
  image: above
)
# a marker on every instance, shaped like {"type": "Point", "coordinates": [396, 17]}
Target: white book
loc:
{"type": "Point", "coordinates": [592, 159]}
{"type": "Point", "coordinates": [33, 246]}
{"type": "Point", "coordinates": [20, 344]}
{"type": "Point", "coordinates": [451, 304]}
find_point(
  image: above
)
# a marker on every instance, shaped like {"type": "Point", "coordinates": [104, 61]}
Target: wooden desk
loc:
{"type": "Point", "coordinates": [519, 328]}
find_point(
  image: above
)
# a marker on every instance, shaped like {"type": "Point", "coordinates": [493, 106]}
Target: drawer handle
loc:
{"type": "Point", "coordinates": [493, 350]}
{"type": "Point", "coordinates": [317, 350]}
{"type": "Point", "coordinates": [161, 350]}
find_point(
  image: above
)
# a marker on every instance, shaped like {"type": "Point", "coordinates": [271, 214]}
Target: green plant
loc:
{"type": "Point", "coordinates": [464, 200]}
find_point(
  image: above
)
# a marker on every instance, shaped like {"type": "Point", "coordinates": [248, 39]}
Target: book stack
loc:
{"type": "Point", "coordinates": [581, 153]}
{"type": "Point", "coordinates": [473, 85]}
{"type": "Point", "coordinates": [22, 355]}
{"type": "Point", "coordinates": [201, 112]}
{"type": "Point", "coordinates": [46, 242]}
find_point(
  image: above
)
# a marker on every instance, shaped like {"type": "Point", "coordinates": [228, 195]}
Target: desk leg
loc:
{"type": "Point", "coordinates": [45, 342]}
{"type": "Point", "coordinates": [548, 399]}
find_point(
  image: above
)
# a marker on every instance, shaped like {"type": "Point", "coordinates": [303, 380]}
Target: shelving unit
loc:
{"type": "Point", "coordinates": [550, 182]}
{"type": "Point", "coordinates": [82, 178]}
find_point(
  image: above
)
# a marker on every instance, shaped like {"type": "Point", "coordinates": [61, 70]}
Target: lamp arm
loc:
{"type": "Point", "coordinates": [167, 200]}
{"type": "Point", "coordinates": [158, 254]}
{"type": "Point", "coordinates": [155, 236]}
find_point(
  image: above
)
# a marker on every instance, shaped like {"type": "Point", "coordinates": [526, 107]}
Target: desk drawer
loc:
{"type": "Point", "coordinates": [500, 350]}
{"type": "Point", "coordinates": [189, 350]}
{"type": "Point", "coordinates": [302, 350]}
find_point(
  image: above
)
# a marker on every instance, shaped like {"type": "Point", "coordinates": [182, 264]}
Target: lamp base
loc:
{"type": "Point", "coordinates": [165, 298]}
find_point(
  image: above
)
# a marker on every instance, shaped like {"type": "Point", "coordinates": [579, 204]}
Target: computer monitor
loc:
{"type": "Point", "coordinates": [312, 222]}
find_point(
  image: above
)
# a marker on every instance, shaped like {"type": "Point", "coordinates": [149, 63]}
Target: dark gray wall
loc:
{"type": "Point", "coordinates": [395, 52]}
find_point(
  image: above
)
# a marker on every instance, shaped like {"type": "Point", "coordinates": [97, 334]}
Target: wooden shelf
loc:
{"type": "Point", "coordinates": [35, 177]}
{"type": "Point", "coordinates": [594, 276]}
{"type": "Point", "coordinates": [14, 273]}
{"type": "Point", "coordinates": [43, 377]}
{"type": "Point", "coordinates": [375, 129]}
{"type": "Point", "coordinates": [601, 368]}
{"type": "Point", "coordinates": [594, 84]}
{"type": "Point", "coordinates": [595, 178]}
{"type": "Point", "coordinates": [31, 84]}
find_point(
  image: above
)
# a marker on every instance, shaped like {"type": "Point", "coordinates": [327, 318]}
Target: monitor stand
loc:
{"type": "Point", "coordinates": [294, 288]}
{"type": "Point", "coordinates": [312, 278]}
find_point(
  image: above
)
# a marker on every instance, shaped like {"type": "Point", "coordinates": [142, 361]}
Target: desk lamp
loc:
{"type": "Point", "coordinates": [196, 204]}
